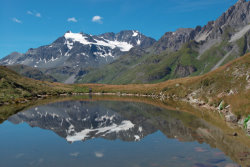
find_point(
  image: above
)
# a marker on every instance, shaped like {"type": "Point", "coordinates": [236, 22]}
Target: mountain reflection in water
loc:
{"type": "Point", "coordinates": [93, 121]}
{"type": "Point", "coordinates": [81, 120]}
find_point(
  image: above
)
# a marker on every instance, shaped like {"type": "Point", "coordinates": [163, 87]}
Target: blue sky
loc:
{"type": "Point", "coordinates": [31, 23]}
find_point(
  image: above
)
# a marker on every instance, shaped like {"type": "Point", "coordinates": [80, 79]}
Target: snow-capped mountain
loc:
{"type": "Point", "coordinates": [80, 50]}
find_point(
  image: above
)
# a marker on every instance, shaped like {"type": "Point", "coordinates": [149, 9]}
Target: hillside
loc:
{"type": "Point", "coordinates": [15, 88]}
{"type": "Point", "coordinates": [151, 68]}
{"type": "Point", "coordinates": [31, 72]}
{"type": "Point", "coordinates": [228, 85]}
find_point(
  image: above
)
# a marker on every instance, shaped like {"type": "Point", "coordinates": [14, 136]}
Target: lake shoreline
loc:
{"type": "Point", "coordinates": [226, 113]}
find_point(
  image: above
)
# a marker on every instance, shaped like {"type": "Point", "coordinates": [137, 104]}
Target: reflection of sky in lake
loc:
{"type": "Point", "coordinates": [22, 145]}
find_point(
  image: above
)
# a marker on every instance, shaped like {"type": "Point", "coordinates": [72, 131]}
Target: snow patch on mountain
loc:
{"type": "Point", "coordinates": [83, 39]}
{"type": "Point", "coordinates": [138, 42]}
{"type": "Point", "coordinates": [135, 33]}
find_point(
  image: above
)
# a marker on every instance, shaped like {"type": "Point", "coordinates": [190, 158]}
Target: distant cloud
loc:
{"type": "Point", "coordinates": [200, 149]}
{"type": "Point", "coordinates": [17, 20]}
{"type": "Point", "coordinates": [20, 155]}
{"type": "Point", "coordinates": [38, 15]}
{"type": "Point", "coordinates": [75, 154]}
{"type": "Point", "coordinates": [41, 160]}
{"type": "Point", "coordinates": [97, 19]}
{"type": "Point", "coordinates": [99, 154]}
{"type": "Point", "coordinates": [29, 12]}
{"type": "Point", "coordinates": [34, 13]}
{"type": "Point", "coordinates": [72, 19]}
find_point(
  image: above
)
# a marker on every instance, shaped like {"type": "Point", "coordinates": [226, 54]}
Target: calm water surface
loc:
{"type": "Point", "coordinates": [108, 134]}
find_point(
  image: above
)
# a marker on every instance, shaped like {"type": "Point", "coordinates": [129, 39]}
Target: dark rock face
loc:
{"type": "Point", "coordinates": [160, 74]}
{"type": "Point", "coordinates": [175, 40]}
{"type": "Point", "coordinates": [183, 71]}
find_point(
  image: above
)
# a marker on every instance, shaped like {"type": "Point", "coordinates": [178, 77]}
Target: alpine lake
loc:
{"type": "Point", "coordinates": [101, 131]}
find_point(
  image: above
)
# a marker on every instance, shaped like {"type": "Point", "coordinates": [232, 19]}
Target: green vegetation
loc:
{"type": "Point", "coordinates": [155, 68]}
{"type": "Point", "coordinates": [15, 88]}
{"type": "Point", "coordinates": [80, 89]}
{"type": "Point", "coordinates": [242, 44]}
{"type": "Point", "coordinates": [246, 121]}
{"type": "Point", "coordinates": [31, 73]}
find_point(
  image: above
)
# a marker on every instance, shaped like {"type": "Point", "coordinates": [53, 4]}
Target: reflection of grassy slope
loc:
{"type": "Point", "coordinates": [213, 131]}
{"type": "Point", "coordinates": [7, 111]}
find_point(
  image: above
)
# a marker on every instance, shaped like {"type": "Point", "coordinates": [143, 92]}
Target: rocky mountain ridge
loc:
{"type": "Point", "coordinates": [235, 18]}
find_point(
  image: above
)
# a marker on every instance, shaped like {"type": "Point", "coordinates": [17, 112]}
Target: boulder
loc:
{"type": "Point", "coordinates": [231, 118]}
{"type": "Point", "coordinates": [248, 127]}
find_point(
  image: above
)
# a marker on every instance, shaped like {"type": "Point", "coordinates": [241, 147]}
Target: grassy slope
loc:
{"type": "Point", "coordinates": [14, 87]}
{"type": "Point", "coordinates": [152, 68]}
{"type": "Point", "coordinates": [210, 88]}
{"type": "Point", "coordinates": [134, 69]}
{"type": "Point", "coordinates": [31, 73]}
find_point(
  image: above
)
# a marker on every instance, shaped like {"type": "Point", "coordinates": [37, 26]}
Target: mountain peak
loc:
{"type": "Point", "coordinates": [236, 17]}
{"type": "Point", "coordinates": [241, 1]}
{"type": "Point", "coordinates": [80, 49]}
